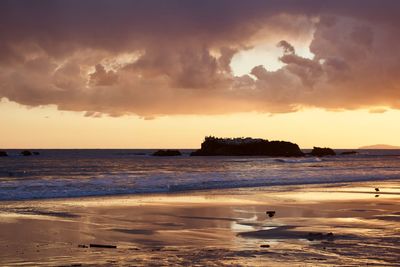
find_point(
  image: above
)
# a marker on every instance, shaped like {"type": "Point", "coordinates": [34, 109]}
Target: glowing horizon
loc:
{"type": "Point", "coordinates": [73, 130]}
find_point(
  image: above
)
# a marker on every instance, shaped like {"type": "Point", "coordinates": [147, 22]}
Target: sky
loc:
{"type": "Point", "coordinates": [164, 74]}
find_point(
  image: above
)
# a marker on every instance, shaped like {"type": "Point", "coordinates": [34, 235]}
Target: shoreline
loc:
{"type": "Point", "coordinates": [209, 227]}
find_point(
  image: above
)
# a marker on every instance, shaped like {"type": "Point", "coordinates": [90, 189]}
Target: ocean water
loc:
{"type": "Point", "coordinates": [75, 173]}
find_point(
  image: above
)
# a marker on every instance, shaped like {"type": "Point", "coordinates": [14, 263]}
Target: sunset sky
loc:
{"type": "Point", "coordinates": [165, 73]}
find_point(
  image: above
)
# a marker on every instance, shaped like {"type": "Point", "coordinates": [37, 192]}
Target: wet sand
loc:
{"type": "Point", "coordinates": [314, 225]}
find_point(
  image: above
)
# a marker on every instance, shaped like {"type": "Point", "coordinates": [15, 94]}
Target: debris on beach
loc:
{"type": "Point", "coordinates": [101, 246]}
{"type": "Point", "coordinates": [270, 213]}
{"type": "Point", "coordinates": [319, 236]}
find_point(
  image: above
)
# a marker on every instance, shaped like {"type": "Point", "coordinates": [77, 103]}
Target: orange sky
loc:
{"type": "Point", "coordinates": [167, 73]}
{"type": "Point", "coordinates": [48, 128]}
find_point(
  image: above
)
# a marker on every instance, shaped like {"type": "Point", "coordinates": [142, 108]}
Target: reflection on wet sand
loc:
{"type": "Point", "coordinates": [313, 225]}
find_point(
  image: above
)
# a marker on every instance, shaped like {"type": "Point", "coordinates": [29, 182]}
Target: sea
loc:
{"type": "Point", "coordinates": [67, 173]}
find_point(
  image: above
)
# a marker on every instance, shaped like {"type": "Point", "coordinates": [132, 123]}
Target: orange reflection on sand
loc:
{"type": "Point", "coordinates": [344, 193]}
{"type": "Point", "coordinates": [159, 200]}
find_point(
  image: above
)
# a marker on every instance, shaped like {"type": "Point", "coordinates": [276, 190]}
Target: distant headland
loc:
{"type": "Point", "coordinates": [380, 146]}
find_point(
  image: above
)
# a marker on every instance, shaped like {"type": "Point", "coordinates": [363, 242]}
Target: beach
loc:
{"type": "Point", "coordinates": [348, 224]}
{"type": "Point", "coordinates": [199, 133]}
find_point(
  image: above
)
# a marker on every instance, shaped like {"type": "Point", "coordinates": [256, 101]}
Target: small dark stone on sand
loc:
{"type": "Point", "coordinates": [376, 195]}
{"type": "Point", "coordinates": [264, 246]}
{"type": "Point", "coordinates": [319, 236]}
{"type": "Point", "coordinates": [271, 213]}
{"type": "Point", "coordinates": [377, 189]}
{"type": "Point", "coordinates": [315, 234]}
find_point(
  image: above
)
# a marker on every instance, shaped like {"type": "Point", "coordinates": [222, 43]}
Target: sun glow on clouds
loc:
{"type": "Point", "coordinates": [187, 69]}
{"type": "Point", "coordinates": [132, 66]}
{"type": "Point", "coordinates": [267, 53]}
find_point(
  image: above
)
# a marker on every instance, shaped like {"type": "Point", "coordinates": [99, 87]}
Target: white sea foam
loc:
{"type": "Point", "coordinates": [299, 160]}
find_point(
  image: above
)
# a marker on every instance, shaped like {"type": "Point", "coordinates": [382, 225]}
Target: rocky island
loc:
{"type": "Point", "coordinates": [322, 152]}
{"type": "Point", "coordinates": [28, 153]}
{"type": "Point", "coordinates": [213, 146]}
{"type": "Point", "coordinates": [167, 153]}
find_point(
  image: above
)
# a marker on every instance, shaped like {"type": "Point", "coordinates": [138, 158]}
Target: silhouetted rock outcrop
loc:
{"type": "Point", "coordinates": [29, 153]}
{"type": "Point", "coordinates": [349, 153]}
{"type": "Point", "coordinates": [3, 154]}
{"type": "Point", "coordinates": [321, 152]}
{"type": "Point", "coordinates": [167, 153]}
{"type": "Point", "coordinates": [213, 146]}
{"type": "Point", "coordinates": [26, 153]}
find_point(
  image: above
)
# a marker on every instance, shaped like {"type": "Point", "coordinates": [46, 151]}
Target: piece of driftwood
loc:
{"type": "Point", "coordinates": [101, 246]}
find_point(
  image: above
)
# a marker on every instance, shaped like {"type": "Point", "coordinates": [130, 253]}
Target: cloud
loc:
{"type": "Point", "coordinates": [287, 48]}
{"type": "Point", "coordinates": [156, 57]}
{"type": "Point", "coordinates": [101, 77]}
{"type": "Point", "coordinates": [377, 110]}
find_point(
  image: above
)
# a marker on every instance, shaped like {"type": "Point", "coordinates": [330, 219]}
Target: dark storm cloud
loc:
{"type": "Point", "coordinates": [173, 57]}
